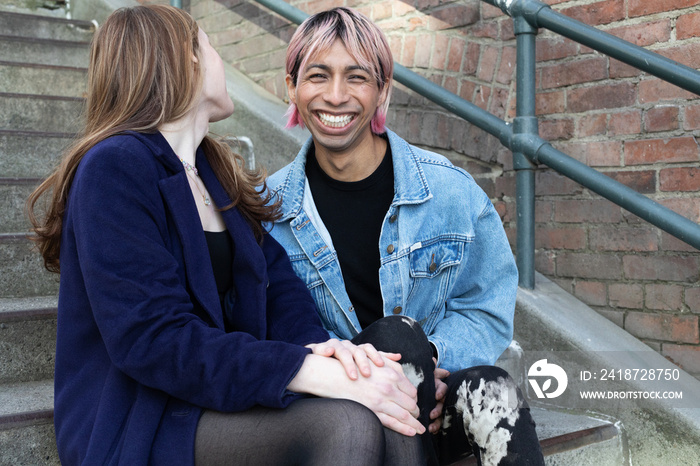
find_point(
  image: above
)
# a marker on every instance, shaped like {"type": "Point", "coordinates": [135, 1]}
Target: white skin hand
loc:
{"type": "Point", "coordinates": [353, 357]}
{"type": "Point", "coordinates": [386, 391]}
{"type": "Point", "coordinates": [440, 392]}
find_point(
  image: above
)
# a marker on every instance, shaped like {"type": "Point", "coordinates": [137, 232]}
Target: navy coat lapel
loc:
{"type": "Point", "coordinates": [177, 195]}
{"type": "Point", "coordinates": [249, 264]}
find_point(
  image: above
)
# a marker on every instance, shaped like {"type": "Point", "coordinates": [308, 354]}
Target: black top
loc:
{"type": "Point", "coordinates": [353, 213]}
{"type": "Point", "coordinates": [221, 254]}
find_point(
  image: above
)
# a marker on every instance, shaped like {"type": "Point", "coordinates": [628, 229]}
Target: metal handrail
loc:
{"type": "Point", "coordinates": [522, 136]}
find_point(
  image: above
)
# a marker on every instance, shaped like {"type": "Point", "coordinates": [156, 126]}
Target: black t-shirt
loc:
{"type": "Point", "coordinates": [353, 213]}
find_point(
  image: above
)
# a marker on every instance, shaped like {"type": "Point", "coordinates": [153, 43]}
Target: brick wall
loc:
{"type": "Point", "coordinates": [629, 125]}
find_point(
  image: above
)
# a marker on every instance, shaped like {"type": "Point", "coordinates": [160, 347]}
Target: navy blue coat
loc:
{"type": "Point", "coordinates": [135, 363]}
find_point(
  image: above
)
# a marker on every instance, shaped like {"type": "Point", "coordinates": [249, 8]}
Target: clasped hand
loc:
{"type": "Point", "coordinates": [374, 379]}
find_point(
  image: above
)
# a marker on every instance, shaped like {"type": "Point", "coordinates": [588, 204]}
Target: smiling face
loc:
{"type": "Point", "coordinates": [336, 99]}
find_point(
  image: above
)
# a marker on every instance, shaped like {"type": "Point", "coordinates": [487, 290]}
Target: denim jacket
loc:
{"type": "Point", "coordinates": [445, 258]}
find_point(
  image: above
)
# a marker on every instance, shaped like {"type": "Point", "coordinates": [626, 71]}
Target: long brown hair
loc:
{"type": "Point", "coordinates": [139, 78]}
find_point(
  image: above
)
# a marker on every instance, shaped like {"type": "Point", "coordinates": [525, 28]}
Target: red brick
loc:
{"type": "Point", "coordinates": [490, 11]}
{"type": "Point", "coordinates": [560, 128]}
{"type": "Point", "coordinates": [616, 317]}
{"type": "Point", "coordinates": [554, 48]}
{"type": "Point", "coordinates": [688, 26]}
{"type": "Point", "coordinates": [656, 90]}
{"type": "Point", "coordinates": [692, 299]}
{"type": "Point", "coordinates": [484, 29]}
{"type": "Point", "coordinates": [457, 15]}
{"type": "Point", "coordinates": [642, 181]}
{"type": "Point", "coordinates": [381, 10]}
{"type": "Point", "coordinates": [551, 183]}
{"type": "Point", "coordinates": [543, 211]}
{"type": "Point", "coordinates": [423, 49]}
{"type": "Point", "coordinates": [571, 238]}
{"type": "Point", "coordinates": [683, 329]}
{"type": "Point", "coordinates": [455, 54]}
{"type": "Point", "coordinates": [593, 14]}
{"type": "Point", "coordinates": [625, 122]}
{"type": "Point", "coordinates": [451, 84]}
{"type": "Point", "coordinates": [679, 179]}
{"type": "Point", "coordinates": [621, 70]}
{"type": "Point", "coordinates": [661, 119]}
{"type": "Point", "coordinates": [647, 7]}
{"type": "Point", "coordinates": [671, 243]}
{"type": "Point", "coordinates": [487, 63]}
{"type": "Point", "coordinates": [624, 295]}
{"type": "Point", "coordinates": [663, 297]}
{"type": "Point", "coordinates": [471, 61]}
{"type": "Point", "coordinates": [544, 262]}
{"type": "Point", "coordinates": [481, 96]}
{"type": "Point", "coordinates": [550, 102]}
{"type": "Point", "coordinates": [592, 266]}
{"type": "Point", "coordinates": [574, 72]}
{"type": "Point", "coordinates": [506, 69]}
{"type": "Point", "coordinates": [467, 89]}
{"type": "Point", "coordinates": [685, 356]}
{"type": "Point", "coordinates": [440, 53]}
{"type": "Point", "coordinates": [692, 117]}
{"type": "Point", "coordinates": [687, 207]}
{"type": "Point", "coordinates": [644, 34]}
{"type": "Point", "coordinates": [592, 125]}
{"type": "Point", "coordinates": [591, 293]}
{"type": "Point", "coordinates": [408, 53]}
{"type": "Point", "coordinates": [586, 210]}
{"type": "Point", "coordinates": [682, 149]}
{"type": "Point", "coordinates": [499, 102]}
{"type": "Point", "coordinates": [596, 153]}
{"type": "Point", "coordinates": [620, 238]}
{"type": "Point", "coordinates": [667, 268]}
{"type": "Point", "coordinates": [616, 95]}
{"type": "Point", "coordinates": [682, 52]}
{"type": "Point", "coordinates": [507, 29]}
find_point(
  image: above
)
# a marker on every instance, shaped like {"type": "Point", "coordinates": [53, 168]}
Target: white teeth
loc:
{"type": "Point", "coordinates": [334, 121]}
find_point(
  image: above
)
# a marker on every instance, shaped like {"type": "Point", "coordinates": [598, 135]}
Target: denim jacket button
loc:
{"type": "Point", "coordinates": [393, 218]}
{"type": "Point", "coordinates": [432, 267]}
{"type": "Point", "coordinates": [397, 310]}
{"type": "Point", "coordinates": [390, 249]}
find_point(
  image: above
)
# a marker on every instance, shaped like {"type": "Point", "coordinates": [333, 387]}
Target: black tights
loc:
{"type": "Point", "coordinates": [311, 431]}
{"type": "Point", "coordinates": [485, 415]}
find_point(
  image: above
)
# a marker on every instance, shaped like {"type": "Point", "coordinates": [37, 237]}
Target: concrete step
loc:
{"type": "Point", "coordinates": [569, 439]}
{"type": "Point", "coordinates": [39, 113]}
{"type": "Point", "coordinates": [26, 424]}
{"type": "Point", "coordinates": [31, 154]}
{"type": "Point", "coordinates": [13, 194]}
{"type": "Point", "coordinates": [44, 51]}
{"type": "Point", "coordinates": [50, 80]}
{"type": "Point", "coordinates": [27, 338]}
{"type": "Point", "coordinates": [45, 27]}
{"type": "Point", "coordinates": [22, 272]}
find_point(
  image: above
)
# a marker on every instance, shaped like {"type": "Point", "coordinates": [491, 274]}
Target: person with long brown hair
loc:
{"type": "Point", "coordinates": [184, 336]}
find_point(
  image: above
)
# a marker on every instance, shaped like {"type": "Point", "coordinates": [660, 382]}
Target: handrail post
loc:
{"type": "Point", "coordinates": [524, 127]}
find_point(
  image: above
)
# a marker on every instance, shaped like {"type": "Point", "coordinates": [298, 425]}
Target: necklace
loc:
{"type": "Point", "coordinates": [191, 168]}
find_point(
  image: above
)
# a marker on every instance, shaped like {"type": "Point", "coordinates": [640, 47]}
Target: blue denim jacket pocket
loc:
{"type": "Point", "coordinates": [322, 297]}
{"type": "Point", "coordinates": [432, 267]}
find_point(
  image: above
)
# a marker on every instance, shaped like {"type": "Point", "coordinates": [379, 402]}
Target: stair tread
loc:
{"type": "Point", "coordinates": [21, 400]}
{"type": "Point", "coordinates": [12, 309]}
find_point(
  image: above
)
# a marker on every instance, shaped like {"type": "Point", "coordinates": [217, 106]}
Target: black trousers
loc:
{"type": "Point", "coordinates": [484, 414]}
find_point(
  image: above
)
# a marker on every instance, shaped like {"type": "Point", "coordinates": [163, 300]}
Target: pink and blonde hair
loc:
{"type": "Point", "coordinates": [364, 41]}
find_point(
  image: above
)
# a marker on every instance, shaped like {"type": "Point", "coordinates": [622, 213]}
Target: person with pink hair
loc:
{"type": "Point", "coordinates": [398, 247]}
